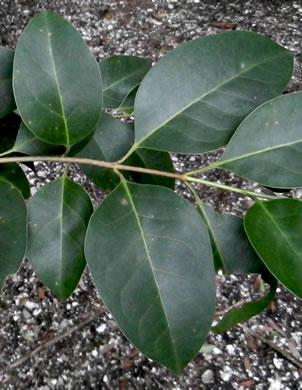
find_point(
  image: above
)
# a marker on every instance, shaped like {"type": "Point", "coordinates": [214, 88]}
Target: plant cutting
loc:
{"type": "Point", "coordinates": [152, 254]}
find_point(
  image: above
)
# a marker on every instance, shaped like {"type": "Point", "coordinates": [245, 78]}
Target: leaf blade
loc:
{"type": "Point", "coordinates": [58, 218]}
{"type": "Point", "coordinates": [28, 143]}
{"type": "Point", "coordinates": [13, 230]}
{"type": "Point", "coordinates": [13, 174]}
{"type": "Point", "coordinates": [247, 311]}
{"type": "Point", "coordinates": [7, 100]}
{"type": "Point", "coordinates": [231, 248]}
{"type": "Point", "coordinates": [278, 222]}
{"type": "Point", "coordinates": [56, 80]}
{"type": "Point", "coordinates": [206, 93]}
{"type": "Point", "coordinates": [151, 159]}
{"type": "Point", "coordinates": [110, 142]}
{"type": "Point", "coordinates": [150, 270]}
{"type": "Point", "coordinates": [121, 74]}
{"type": "Point", "coordinates": [272, 155]}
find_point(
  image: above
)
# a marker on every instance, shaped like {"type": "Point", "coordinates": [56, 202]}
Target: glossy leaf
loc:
{"type": "Point", "coordinates": [13, 174]}
{"type": "Point", "coordinates": [13, 230]}
{"type": "Point", "coordinates": [127, 104]}
{"type": "Point", "coordinates": [120, 74]}
{"type": "Point", "coordinates": [58, 218]}
{"type": "Point", "coordinates": [247, 311]}
{"type": "Point", "coordinates": [111, 141]}
{"type": "Point", "coordinates": [77, 148]}
{"type": "Point", "coordinates": [28, 143]}
{"type": "Point", "coordinates": [231, 249]}
{"type": "Point", "coordinates": [272, 155]}
{"type": "Point", "coordinates": [57, 82]}
{"type": "Point", "coordinates": [7, 101]}
{"type": "Point", "coordinates": [194, 98]}
{"type": "Point", "coordinates": [151, 159]}
{"type": "Point", "coordinates": [274, 229]}
{"type": "Point", "coordinates": [150, 257]}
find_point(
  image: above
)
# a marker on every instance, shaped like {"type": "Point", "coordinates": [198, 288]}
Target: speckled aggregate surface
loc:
{"type": "Point", "coordinates": [97, 356]}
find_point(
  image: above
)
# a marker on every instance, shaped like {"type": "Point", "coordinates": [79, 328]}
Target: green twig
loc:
{"type": "Point", "coordinates": [251, 194]}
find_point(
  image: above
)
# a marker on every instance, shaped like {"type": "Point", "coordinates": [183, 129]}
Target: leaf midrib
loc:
{"type": "Point", "coordinates": [129, 75]}
{"type": "Point", "coordinates": [205, 95]}
{"type": "Point", "coordinates": [283, 235]}
{"type": "Point", "coordinates": [49, 34]}
{"type": "Point", "coordinates": [151, 266]}
{"type": "Point", "coordinates": [243, 156]}
{"type": "Point", "coordinates": [60, 268]}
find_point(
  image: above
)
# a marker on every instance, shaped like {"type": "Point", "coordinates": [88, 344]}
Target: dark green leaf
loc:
{"type": "Point", "coordinates": [231, 248]}
{"type": "Point", "coordinates": [127, 104]}
{"type": "Point", "coordinates": [57, 82]}
{"type": "Point", "coordinates": [274, 229]}
{"type": "Point", "coordinates": [150, 256]}
{"type": "Point", "coordinates": [7, 101]}
{"type": "Point", "coordinates": [30, 144]}
{"type": "Point", "coordinates": [15, 176]}
{"type": "Point", "coordinates": [151, 159]}
{"type": "Point", "coordinates": [267, 146]}
{"type": "Point", "coordinates": [247, 311]}
{"type": "Point", "coordinates": [13, 230]}
{"type": "Point", "coordinates": [111, 141]}
{"type": "Point", "coordinates": [194, 98]}
{"type": "Point", "coordinates": [58, 218]}
{"type": "Point", "coordinates": [77, 148]}
{"type": "Point", "coordinates": [120, 74]}
{"type": "Point", "coordinates": [8, 131]}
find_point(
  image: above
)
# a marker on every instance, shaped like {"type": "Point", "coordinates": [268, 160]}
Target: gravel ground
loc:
{"type": "Point", "coordinates": [34, 354]}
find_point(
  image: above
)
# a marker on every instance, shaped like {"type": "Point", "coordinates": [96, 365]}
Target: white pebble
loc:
{"type": "Point", "coordinates": [230, 349]}
{"type": "Point", "coordinates": [31, 305]}
{"type": "Point", "coordinates": [207, 376]}
{"type": "Point", "coordinates": [101, 328]}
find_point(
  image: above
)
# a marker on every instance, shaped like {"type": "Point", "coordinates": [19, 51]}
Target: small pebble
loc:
{"type": "Point", "coordinates": [101, 328]}
{"type": "Point", "coordinates": [31, 305]}
{"type": "Point", "coordinates": [207, 377]}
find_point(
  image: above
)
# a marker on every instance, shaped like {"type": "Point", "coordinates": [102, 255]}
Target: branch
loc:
{"type": "Point", "coordinates": [275, 347]}
{"type": "Point", "coordinates": [120, 167]}
{"type": "Point", "coordinates": [89, 161]}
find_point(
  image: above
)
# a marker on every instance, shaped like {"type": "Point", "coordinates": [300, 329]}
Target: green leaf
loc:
{"type": "Point", "coordinates": [111, 141]}
{"type": "Point", "coordinates": [150, 257]}
{"type": "Point", "coordinates": [247, 311]}
{"type": "Point", "coordinates": [58, 218]}
{"type": "Point", "coordinates": [13, 230]}
{"type": "Point", "coordinates": [151, 159]}
{"type": "Point", "coordinates": [7, 101]}
{"type": "Point", "coordinates": [274, 229]}
{"type": "Point", "coordinates": [28, 143]}
{"type": "Point", "coordinates": [267, 146]}
{"type": "Point", "coordinates": [194, 98]}
{"type": "Point", "coordinates": [120, 74]}
{"type": "Point", "coordinates": [127, 105]}
{"type": "Point", "coordinates": [57, 82]}
{"type": "Point", "coordinates": [231, 249]}
{"type": "Point", "coordinates": [77, 148]}
{"type": "Point", "coordinates": [13, 174]}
